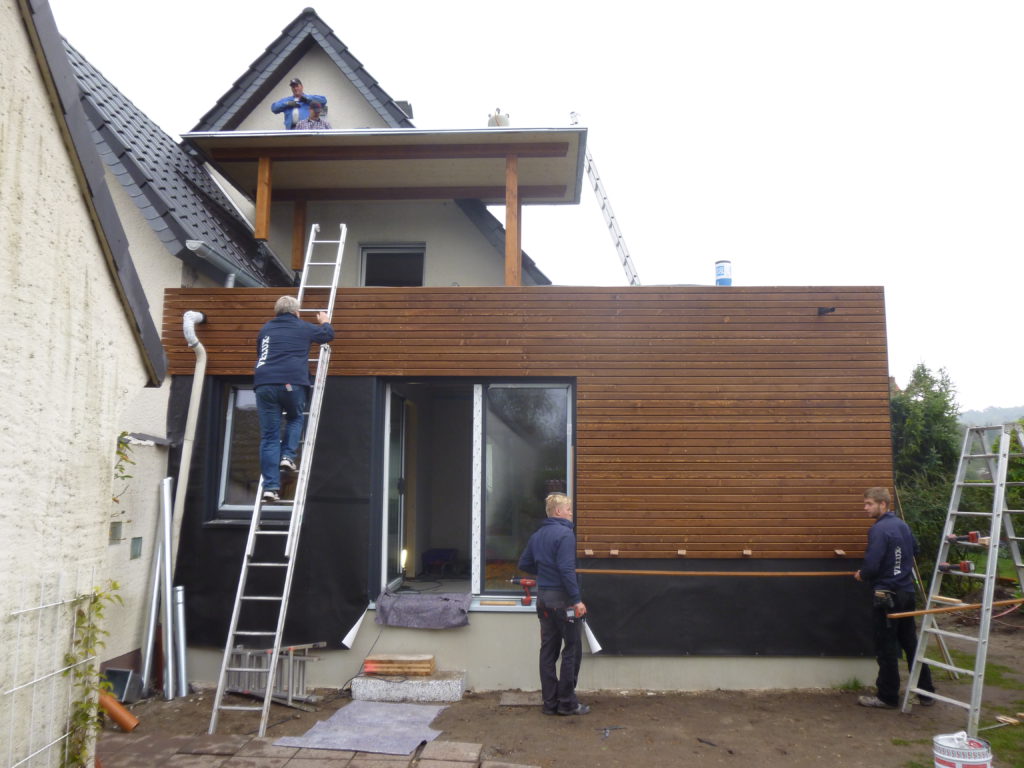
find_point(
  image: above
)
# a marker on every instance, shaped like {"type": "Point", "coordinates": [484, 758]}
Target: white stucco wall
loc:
{"type": "Point", "coordinates": [498, 651]}
{"type": "Point", "coordinates": [456, 252]}
{"type": "Point", "coordinates": [346, 106]}
{"type": "Point", "coordinates": [70, 364]}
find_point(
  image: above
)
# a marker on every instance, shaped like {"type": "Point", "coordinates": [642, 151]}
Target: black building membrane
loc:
{"type": "Point", "coordinates": [735, 615]}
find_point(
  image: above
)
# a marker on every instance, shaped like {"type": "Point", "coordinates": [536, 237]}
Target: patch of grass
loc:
{"type": "Point", "coordinates": [1007, 744]}
{"type": "Point", "coordinates": [995, 674]}
{"type": "Point", "coordinates": [909, 742]}
{"type": "Point", "coordinates": [915, 764]}
{"type": "Point", "coordinates": [851, 685]}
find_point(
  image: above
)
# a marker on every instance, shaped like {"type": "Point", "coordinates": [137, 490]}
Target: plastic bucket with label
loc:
{"type": "Point", "coordinates": [958, 750]}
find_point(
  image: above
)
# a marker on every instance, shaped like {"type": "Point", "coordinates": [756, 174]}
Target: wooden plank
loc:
{"type": "Point", "coordinates": [263, 190]}
{"type": "Point", "coordinates": [298, 235]}
{"type": "Point", "coordinates": [513, 215]}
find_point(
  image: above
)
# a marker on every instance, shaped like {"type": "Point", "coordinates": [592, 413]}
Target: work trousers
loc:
{"type": "Point", "coordinates": [558, 634]}
{"type": "Point", "coordinates": [273, 400]}
{"type": "Point", "coordinates": [892, 636]}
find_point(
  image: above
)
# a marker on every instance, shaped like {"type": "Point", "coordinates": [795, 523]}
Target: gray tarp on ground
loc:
{"type": "Point", "coordinates": [418, 610]}
{"type": "Point", "coordinates": [371, 726]}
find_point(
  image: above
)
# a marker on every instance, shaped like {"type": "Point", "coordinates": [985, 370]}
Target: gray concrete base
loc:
{"type": "Point", "coordinates": [441, 686]}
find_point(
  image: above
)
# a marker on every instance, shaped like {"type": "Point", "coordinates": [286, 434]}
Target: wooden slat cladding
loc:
{"type": "Point", "coordinates": [710, 420]}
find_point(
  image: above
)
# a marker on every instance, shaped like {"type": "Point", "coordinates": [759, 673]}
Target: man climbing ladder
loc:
{"type": "Point", "coordinates": [280, 382]}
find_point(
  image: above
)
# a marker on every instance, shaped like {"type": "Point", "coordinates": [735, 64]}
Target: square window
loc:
{"type": "Point", "coordinates": [393, 266]}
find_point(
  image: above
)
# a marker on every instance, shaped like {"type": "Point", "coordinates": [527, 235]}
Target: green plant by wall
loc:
{"type": "Point", "coordinates": [84, 719]}
{"type": "Point", "coordinates": [121, 466]}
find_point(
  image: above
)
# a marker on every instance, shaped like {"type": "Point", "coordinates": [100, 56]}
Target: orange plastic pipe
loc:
{"type": "Point", "coordinates": [118, 713]}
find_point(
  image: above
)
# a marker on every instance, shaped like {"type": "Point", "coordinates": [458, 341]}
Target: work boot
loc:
{"type": "Point", "coordinates": [874, 701]}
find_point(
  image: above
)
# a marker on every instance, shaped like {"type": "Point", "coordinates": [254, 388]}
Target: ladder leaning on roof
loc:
{"type": "Point", "coordinates": [982, 475]}
{"type": "Point", "coordinates": [278, 544]}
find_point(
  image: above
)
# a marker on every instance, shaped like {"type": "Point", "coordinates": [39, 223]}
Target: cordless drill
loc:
{"type": "Point", "coordinates": [527, 599]}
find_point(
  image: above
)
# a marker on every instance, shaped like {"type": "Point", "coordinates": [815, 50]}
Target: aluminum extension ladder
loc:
{"type": "Point", "coordinates": [276, 535]}
{"type": "Point", "coordinates": [978, 516]}
{"type": "Point", "coordinates": [609, 215]}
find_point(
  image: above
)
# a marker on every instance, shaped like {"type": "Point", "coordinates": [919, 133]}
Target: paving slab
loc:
{"type": "Point", "coordinates": [192, 761]}
{"type": "Point", "coordinates": [452, 751]}
{"type": "Point", "coordinates": [320, 762]}
{"type": "Point", "coordinates": [324, 754]}
{"type": "Point", "coordinates": [376, 762]}
{"type": "Point", "coordinates": [216, 745]}
{"type": "Point", "coordinates": [263, 746]}
{"type": "Point", "coordinates": [248, 761]}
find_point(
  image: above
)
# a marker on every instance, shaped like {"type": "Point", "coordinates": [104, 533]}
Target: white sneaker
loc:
{"type": "Point", "coordinates": [271, 496]}
{"type": "Point", "coordinates": [289, 464]}
{"type": "Point", "coordinates": [874, 701]}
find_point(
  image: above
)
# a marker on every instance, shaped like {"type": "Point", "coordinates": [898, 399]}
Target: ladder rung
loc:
{"type": "Point", "coordinates": [268, 565]}
{"type": "Point", "coordinates": [975, 485]}
{"type": "Point", "coordinates": [246, 669]}
{"type": "Point", "coordinates": [253, 632]}
{"type": "Point", "coordinates": [981, 456]}
{"type": "Point", "coordinates": [262, 597]}
{"type": "Point", "coordinates": [271, 533]}
{"type": "Point", "coordinates": [950, 667]}
{"type": "Point", "coordinates": [318, 242]}
{"type": "Point", "coordinates": [938, 697]}
{"type": "Point", "coordinates": [321, 263]}
{"type": "Point", "coordinates": [240, 708]}
{"type": "Point", "coordinates": [950, 633]}
{"type": "Point", "coordinates": [965, 513]}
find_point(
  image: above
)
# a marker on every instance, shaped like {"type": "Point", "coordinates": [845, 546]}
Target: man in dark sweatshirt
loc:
{"type": "Point", "coordinates": [280, 382]}
{"type": "Point", "coordinates": [551, 555]}
{"type": "Point", "coordinates": [888, 567]}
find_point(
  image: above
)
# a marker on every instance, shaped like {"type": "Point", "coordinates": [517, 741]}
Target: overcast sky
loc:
{"type": "Point", "coordinates": [810, 143]}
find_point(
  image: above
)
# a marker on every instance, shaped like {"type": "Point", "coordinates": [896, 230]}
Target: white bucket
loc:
{"type": "Point", "coordinates": [958, 750]}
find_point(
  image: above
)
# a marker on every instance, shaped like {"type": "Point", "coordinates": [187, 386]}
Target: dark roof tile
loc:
{"type": "Point", "coordinates": [172, 189]}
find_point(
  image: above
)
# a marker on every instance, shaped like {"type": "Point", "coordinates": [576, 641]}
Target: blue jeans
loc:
{"type": "Point", "coordinates": [273, 400]}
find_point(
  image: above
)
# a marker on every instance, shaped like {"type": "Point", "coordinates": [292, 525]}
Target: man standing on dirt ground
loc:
{"type": "Point", "coordinates": [888, 567]}
{"type": "Point", "coordinates": [551, 555]}
{"type": "Point", "coordinates": [280, 381]}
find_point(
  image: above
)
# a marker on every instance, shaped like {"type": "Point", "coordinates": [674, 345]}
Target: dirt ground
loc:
{"type": "Point", "coordinates": [796, 729]}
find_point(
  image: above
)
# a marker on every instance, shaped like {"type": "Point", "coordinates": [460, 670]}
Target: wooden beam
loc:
{"type": "Point", "coordinates": [954, 608]}
{"type": "Point", "coordinates": [263, 200]}
{"type": "Point", "coordinates": [528, 193]}
{"type": "Point", "coordinates": [316, 151]}
{"type": "Point", "coordinates": [298, 234]}
{"type": "Point", "coordinates": [513, 212]}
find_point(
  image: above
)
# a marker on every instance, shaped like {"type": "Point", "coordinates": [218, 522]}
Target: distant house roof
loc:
{"type": "Point", "coordinates": [175, 193]}
{"type": "Point", "coordinates": [306, 31]}
{"type": "Point", "coordinates": [64, 98]}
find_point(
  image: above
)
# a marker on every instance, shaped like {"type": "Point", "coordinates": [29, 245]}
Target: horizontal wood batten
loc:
{"type": "Point", "coordinates": [708, 420]}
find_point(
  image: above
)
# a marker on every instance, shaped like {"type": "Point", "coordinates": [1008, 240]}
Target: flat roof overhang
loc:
{"type": "Point", "coordinates": [403, 164]}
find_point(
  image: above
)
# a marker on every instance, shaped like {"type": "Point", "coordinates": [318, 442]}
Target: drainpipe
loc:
{"type": "Point", "coordinates": [206, 253]}
{"type": "Point", "coordinates": [190, 320]}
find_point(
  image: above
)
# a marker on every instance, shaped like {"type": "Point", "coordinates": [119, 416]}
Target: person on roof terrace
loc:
{"type": "Point", "coordinates": [315, 121]}
{"type": "Point", "coordinates": [280, 382]}
{"type": "Point", "coordinates": [296, 106]}
{"type": "Point", "coordinates": [888, 567]}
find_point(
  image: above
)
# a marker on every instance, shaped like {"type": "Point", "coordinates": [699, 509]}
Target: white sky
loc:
{"type": "Point", "coordinates": [811, 143]}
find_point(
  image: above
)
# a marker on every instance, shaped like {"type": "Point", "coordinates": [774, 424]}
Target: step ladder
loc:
{"type": "Point", "coordinates": [978, 519]}
{"type": "Point", "coordinates": [274, 529]}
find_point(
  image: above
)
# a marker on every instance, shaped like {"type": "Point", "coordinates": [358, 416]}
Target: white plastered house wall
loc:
{"type": "Point", "coordinates": [71, 364]}
{"type": "Point", "coordinates": [138, 509]}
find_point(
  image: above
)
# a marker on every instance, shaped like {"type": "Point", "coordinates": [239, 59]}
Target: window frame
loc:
{"type": "Point", "coordinates": [367, 251]}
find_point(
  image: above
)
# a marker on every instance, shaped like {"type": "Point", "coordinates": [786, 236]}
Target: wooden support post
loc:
{"type": "Point", "coordinates": [263, 200]}
{"type": "Point", "coordinates": [299, 235]}
{"type": "Point", "coordinates": [513, 216]}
